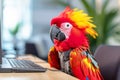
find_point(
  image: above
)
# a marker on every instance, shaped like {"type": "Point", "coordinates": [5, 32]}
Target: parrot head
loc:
{"type": "Point", "coordinates": [69, 29]}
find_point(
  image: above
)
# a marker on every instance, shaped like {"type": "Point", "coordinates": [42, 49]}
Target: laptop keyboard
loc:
{"type": "Point", "coordinates": [25, 66]}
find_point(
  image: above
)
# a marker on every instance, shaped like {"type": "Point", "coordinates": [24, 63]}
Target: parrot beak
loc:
{"type": "Point", "coordinates": [55, 33]}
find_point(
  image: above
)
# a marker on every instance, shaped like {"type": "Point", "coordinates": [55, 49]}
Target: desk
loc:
{"type": "Point", "coordinates": [50, 74]}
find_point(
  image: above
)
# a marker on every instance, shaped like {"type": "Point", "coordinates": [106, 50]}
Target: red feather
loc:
{"type": "Point", "coordinates": [53, 58]}
{"type": "Point", "coordinates": [80, 68]}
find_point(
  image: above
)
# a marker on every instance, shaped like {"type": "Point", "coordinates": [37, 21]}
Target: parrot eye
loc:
{"type": "Point", "coordinates": [67, 25]}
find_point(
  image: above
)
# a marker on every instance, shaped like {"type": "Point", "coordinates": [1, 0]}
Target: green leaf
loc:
{"type": "Point", "coordinates": [88, 7]}
{"type": "Point", "coordinates": [111, 15]}
{"type": "Point", "coordinates": [15, 30]}
{"type": "Point", "coordinates": [113, 26]}
{"type": "Point", "coordinates": [105, 4]}
{"type": "Point", "coordinates": [61, 2]}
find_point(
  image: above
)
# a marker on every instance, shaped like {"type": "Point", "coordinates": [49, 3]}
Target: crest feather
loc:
{"type": "Point", "coordinates": [80, 20]}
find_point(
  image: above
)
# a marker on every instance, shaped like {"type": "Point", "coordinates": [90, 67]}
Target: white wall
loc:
{"type": "Point", "coordinates": [42, 12]}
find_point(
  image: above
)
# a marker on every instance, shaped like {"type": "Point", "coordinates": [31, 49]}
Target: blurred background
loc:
{"type": "Point", "coordinates": [26, 24]}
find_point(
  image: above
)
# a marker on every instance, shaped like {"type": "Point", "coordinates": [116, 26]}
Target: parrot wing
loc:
{"type": "Point", "coordinates": [83, 66]}
{"type": "Point", "coordinates": [53, 58]}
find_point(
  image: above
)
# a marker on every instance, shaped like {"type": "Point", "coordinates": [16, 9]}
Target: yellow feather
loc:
{"type": "Point", "coordinates": [88, 64]}
{"type": "Point", "coordinates": [83, 21]}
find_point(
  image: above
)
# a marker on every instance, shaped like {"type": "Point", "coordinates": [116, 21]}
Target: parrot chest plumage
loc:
{"type": "Point", "coordinates": [77, 62]}
{"type": "Point", "coordinates": [64, 61]}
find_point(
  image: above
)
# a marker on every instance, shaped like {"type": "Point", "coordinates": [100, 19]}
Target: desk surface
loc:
{"type": "Point", "coordinates": [50, 74]}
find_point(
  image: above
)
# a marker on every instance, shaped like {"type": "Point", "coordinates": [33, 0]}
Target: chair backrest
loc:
{"type": "Point", "coordinates": [118, 74]}
{"type": "Point", "coordinates": [108, 58]}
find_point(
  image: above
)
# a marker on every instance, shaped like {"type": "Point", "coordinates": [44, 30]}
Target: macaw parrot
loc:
{"type": "Point", "coordinates": [70, 52]}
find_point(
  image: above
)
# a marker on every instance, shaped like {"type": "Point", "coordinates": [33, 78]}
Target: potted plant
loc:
{"type": "Point", "coordinates": [14, 31]}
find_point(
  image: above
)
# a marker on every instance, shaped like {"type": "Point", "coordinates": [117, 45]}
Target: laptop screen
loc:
{"type": "Point", "coordinates": [1, 12]}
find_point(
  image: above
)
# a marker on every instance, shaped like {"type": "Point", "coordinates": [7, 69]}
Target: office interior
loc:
{"type": "Point", "coordinates": [26, 24]}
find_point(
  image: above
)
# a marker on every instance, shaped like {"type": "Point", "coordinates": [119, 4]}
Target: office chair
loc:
{"type": "Point", "coordinates": [108, 58]}
{"type": "Point", "coordinates": [118, 74]}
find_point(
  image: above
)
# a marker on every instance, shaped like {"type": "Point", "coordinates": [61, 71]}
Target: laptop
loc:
{"type": "Point", "coordinates": [14, 65]}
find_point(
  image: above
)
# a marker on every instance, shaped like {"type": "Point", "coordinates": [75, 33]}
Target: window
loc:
{"type": "Point", "coordinates": [14, 12]}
